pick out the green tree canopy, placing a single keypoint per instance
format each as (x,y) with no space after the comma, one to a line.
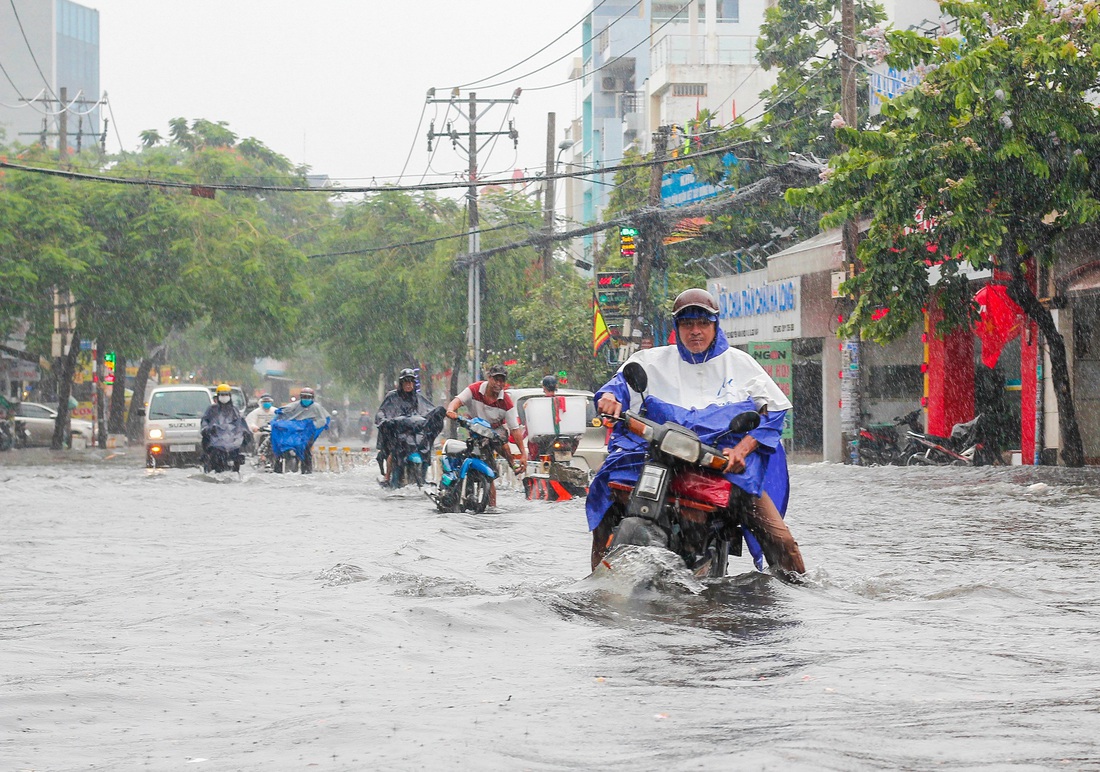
(987,163)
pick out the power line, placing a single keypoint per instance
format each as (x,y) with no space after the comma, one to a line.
(232,187)
(419,123)
(620,56)
(532,56)
(578,48)
(453,236)
(30,50)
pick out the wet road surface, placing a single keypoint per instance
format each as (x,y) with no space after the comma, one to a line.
(167,621)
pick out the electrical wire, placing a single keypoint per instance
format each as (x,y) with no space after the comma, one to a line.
(114,123)
(369,250)
(431,155)
(30,50)
(419,123)
(582,45)
(620,56)
(240,188)
(532,56)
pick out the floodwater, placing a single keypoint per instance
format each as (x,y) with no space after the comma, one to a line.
(165,621)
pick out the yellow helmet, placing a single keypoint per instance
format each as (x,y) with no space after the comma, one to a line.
(223,388)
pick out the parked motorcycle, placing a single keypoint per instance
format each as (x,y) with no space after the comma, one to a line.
(681,501)
(405,445)
(468,469)
(968,445)
(879,445)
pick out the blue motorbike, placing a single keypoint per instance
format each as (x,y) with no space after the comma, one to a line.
(468,469)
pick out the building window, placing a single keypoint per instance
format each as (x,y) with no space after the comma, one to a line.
(663,10)
(689,89)
(729,10)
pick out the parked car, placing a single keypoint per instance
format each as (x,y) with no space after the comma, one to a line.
(591,447)
(40,419)
(172,417)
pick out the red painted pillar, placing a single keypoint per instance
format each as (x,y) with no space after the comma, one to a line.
(949,378)
(1029,380)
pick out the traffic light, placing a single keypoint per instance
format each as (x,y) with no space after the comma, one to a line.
(627,241)
(109,366)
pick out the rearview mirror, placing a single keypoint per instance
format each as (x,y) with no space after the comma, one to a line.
(745,422)
(636,377)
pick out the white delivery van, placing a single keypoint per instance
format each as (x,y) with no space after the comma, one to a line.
(172,416)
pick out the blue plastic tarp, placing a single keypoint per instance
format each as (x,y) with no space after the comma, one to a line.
(294,435)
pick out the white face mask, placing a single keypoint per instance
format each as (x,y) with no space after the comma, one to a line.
(224,398)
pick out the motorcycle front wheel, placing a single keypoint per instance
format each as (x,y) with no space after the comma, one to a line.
(477,492)
(639,532)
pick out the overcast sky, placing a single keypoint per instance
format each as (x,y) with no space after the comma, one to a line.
(336,84)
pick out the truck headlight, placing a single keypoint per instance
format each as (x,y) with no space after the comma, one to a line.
(155,434)
(680,445)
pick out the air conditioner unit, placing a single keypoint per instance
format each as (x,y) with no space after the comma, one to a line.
(608,84)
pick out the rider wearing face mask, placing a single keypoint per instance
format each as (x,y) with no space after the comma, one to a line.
(263,415)
(699,371)
(305,408)
(222,417)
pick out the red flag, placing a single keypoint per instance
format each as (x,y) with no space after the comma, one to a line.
(1001,321)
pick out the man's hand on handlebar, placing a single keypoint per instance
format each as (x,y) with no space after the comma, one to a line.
(452,414)
(609,405)
(735,456)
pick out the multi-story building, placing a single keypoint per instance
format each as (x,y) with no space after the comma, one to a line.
(46,47)
(658,64)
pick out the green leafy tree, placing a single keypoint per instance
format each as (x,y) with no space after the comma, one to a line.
(557,335)
(989,162)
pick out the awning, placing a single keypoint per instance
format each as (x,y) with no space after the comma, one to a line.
(823,252)
(1085,278)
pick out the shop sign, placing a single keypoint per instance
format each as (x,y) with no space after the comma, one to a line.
(751,308)
(775,358)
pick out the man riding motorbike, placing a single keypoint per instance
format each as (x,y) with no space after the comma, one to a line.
(305,408)
(404,401)
(263,415)
(487,400)
(224,433)
(701,371)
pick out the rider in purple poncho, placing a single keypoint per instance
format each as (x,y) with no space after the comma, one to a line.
(698,382)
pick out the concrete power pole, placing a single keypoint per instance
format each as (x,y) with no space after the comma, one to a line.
(650,235)
(851,389)
(63,129)
(548,198)
(473,264)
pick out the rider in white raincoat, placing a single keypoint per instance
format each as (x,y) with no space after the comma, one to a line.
(701,371)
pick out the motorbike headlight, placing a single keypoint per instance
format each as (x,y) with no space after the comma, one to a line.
(680,445)
(155,434)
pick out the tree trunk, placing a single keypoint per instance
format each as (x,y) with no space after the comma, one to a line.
(134,422)
(116,421)
(61,436)
(100,396)
(1073,453)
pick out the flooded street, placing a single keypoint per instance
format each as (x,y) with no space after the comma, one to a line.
(165,621)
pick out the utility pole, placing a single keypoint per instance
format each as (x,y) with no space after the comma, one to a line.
(651,233)
(63,129)
(62,105)
(473,264)
(548,199)
(851,374)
